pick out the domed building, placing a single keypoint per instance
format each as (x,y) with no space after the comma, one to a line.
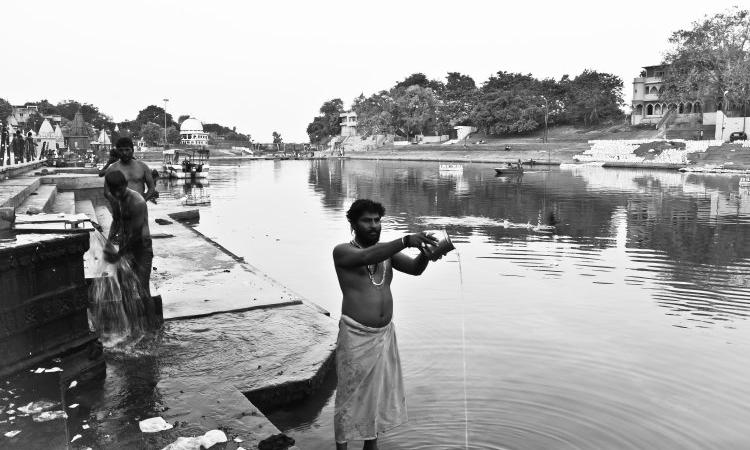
(191,132)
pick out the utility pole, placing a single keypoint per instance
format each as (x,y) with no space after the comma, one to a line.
(546,113)
(165,122)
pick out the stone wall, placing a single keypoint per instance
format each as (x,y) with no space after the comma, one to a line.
(43,307)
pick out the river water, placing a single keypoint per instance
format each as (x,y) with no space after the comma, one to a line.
(625,328)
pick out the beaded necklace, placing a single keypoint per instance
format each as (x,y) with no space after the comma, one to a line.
(371,272)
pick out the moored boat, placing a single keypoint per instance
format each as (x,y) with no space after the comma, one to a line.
(509,169)
(185,163)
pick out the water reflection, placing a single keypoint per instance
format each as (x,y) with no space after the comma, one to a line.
(185,192)
(622,326)
(683,236)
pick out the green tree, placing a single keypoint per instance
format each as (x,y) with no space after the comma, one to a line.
(173,135)
(459,97)
(595,97)
(183,118)
(327,124)
(375,114)
(417,109)
(152,133)
(155,114)
(710,59)
(509,103)
(6,109)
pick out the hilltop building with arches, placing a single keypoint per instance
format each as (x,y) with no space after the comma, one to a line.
(688,119)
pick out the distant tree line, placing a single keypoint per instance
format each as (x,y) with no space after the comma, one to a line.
(507,103)
(711,59)
(148,124)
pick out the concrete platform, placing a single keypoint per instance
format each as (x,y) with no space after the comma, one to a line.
(64,203)
(14,191)
(274,356)
(18,169)
(196,278)
(72,181)
(40,201)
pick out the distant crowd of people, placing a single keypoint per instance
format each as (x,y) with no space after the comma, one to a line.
(16,149)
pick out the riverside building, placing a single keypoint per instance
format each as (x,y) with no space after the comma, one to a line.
(191,133)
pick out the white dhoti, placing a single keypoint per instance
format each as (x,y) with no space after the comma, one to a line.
(370,392)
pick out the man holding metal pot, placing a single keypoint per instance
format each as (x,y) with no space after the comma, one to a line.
(370,395)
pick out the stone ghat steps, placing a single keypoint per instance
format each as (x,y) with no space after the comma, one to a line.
(39,201)
(14,191)
(64,203)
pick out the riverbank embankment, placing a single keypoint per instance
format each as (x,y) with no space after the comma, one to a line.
(234,342)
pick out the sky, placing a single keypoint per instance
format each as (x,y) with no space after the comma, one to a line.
(269,66)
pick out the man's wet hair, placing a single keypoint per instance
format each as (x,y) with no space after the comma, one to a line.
(124,142)
(361,206)
(115,179)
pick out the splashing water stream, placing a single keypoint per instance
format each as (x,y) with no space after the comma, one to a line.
(463,348)
(117,311)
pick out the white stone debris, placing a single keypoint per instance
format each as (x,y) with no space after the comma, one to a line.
(13,433)
(153,425)
(85,427)
(208,440)
(621,150)
(238,440)
(36,407)
(46,416)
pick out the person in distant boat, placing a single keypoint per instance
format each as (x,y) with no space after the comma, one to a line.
(370,395)
(135,237)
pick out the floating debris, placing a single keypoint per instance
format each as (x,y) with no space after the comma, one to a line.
(73,384)
(13,433)
(73,406)
(46,416)
(39,370)
(238,440)
(75,438)
(85,427)
(36,407)
(208,440)
(54,369)
(154,425)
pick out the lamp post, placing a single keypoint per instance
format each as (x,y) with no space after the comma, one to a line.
(546,113)
(165,122)
(723,113)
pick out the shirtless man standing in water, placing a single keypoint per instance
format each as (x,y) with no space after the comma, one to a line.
(370,395)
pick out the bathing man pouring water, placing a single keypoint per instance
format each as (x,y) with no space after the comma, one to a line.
(370,395)
(135,237)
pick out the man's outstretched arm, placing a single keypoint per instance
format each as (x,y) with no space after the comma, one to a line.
(412,266)
(149,181)
(347,255)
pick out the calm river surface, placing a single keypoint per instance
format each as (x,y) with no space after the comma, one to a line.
(626,328)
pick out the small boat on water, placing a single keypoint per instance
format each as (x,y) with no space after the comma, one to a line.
(451,168)
(745,182)
(509,169)
(185,163)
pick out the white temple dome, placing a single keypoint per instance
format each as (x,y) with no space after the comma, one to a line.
(191,125)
